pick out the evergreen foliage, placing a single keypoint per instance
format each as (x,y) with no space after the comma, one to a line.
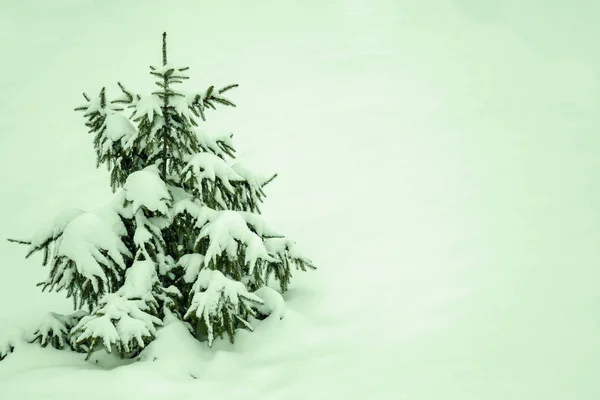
(183,236)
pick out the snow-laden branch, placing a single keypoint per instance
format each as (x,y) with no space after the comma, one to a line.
(88,252)
(225,231)
(124,319)
(220,302)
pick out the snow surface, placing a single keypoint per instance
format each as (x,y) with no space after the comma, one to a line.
(437,160)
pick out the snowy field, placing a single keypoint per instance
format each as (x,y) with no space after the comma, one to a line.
(439,162)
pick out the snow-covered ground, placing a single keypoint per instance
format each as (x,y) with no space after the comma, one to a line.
(439,161)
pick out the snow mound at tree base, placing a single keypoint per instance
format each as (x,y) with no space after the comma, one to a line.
(278,360)
(176,352)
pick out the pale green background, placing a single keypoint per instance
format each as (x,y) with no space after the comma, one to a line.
(439,160)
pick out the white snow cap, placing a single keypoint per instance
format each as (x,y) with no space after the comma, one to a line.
(164,68)
(145,188)
(95,105)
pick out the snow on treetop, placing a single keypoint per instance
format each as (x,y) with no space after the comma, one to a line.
(145,188)
(227,228)
(164,68)
(118,127)
(148,105)
(209,166)
(85,237)
(95,105)
(126,96)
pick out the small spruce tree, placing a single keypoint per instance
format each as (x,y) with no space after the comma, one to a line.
(183,237)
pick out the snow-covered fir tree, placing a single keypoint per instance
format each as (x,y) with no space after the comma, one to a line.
(183,237)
